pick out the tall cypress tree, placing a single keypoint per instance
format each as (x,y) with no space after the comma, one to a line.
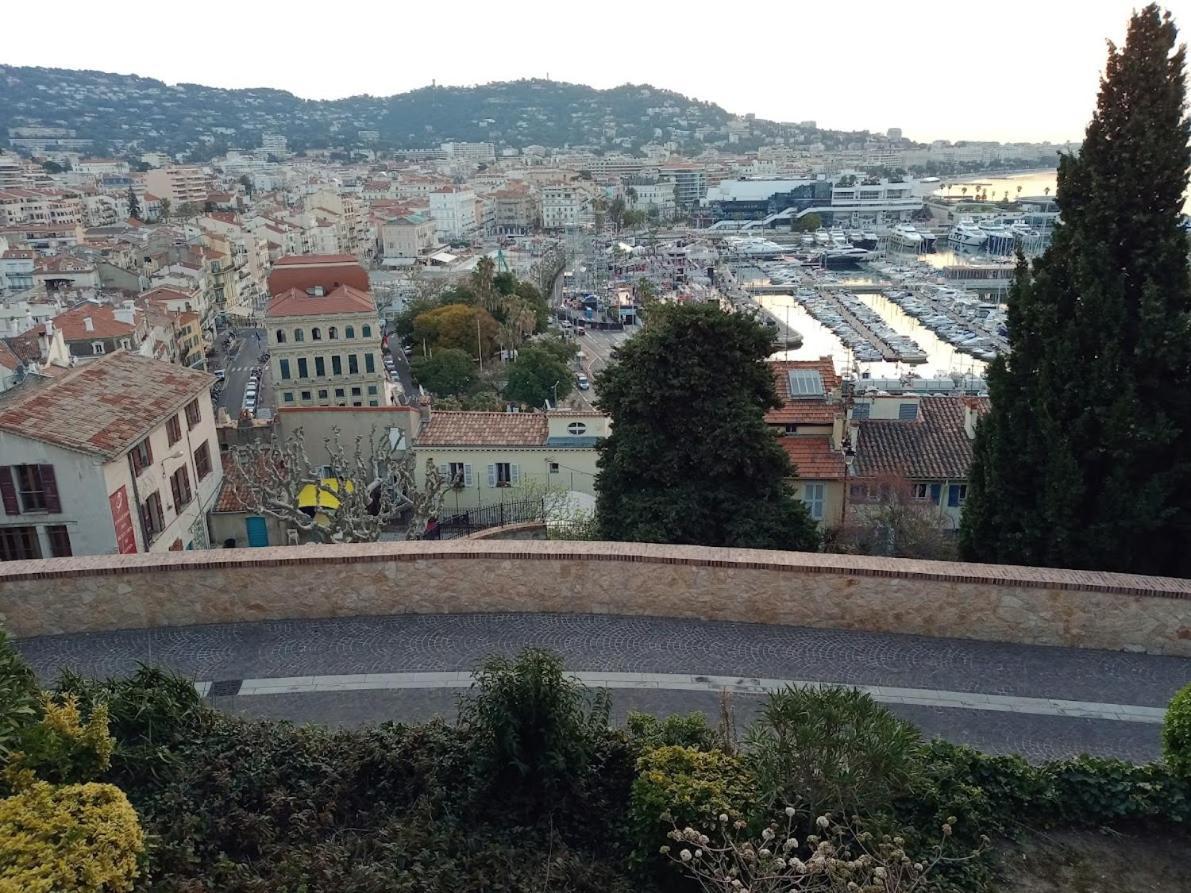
(1085,458)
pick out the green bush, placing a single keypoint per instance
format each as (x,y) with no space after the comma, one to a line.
(1176,733)
(19,695)
(534,730)
(832,750)
(692,730)
(684,787)
(77,838)
(63,747)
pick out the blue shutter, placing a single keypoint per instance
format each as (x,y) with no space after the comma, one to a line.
(953,496)
(258,531)
(936,490)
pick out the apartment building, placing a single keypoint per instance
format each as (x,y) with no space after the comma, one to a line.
(515,211)
(453,209)
(16,269)
(564,205)
(324,336)
(690,182)
(407,238)
(91,329)
(178,184)
(653,196)
(471,153)
(115,456)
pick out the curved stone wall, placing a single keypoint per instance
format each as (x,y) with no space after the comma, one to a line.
(1003,603)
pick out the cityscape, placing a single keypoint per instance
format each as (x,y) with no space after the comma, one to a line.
(537,486)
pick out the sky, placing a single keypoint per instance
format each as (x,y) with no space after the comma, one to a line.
(1009,70)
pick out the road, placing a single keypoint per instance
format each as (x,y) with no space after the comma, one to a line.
(1042,702)
(237,368)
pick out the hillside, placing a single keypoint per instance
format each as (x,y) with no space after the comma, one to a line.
(126,112)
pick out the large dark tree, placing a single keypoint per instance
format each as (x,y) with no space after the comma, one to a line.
(1085,458)
(690,459)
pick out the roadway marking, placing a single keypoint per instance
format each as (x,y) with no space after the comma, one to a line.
(746,685)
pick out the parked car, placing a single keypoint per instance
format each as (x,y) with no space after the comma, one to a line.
(220,374)
(582,381)
(580,329)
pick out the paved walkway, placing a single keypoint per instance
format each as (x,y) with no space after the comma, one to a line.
(1042,702)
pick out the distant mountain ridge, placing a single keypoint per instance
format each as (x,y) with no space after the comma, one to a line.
(128,112)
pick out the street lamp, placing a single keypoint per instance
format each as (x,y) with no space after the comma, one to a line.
(849,459)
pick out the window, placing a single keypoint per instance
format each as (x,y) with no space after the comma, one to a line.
(576,429)
(339,392)
(202,461)
(349,332)
(322,394)
(371,390)
(288,396)
(124,343)
(907,412)
(858,493)
(812,497)
(142,456)
(173,430)
(306,395)
(97,347)
(320,367)
(503,474)
(279,336)
(373,403)
(19,544)
(316,334)
(152,516)
(366,332)
(332,333)
(299,335)
(29,488)
(336,365)
(554,468)
(921,491)
(353,364)
(180,489)
(192,413)
(59,538)
(957,494)
(355,392)
(303,368)
(284,370)
(457,473)
(369,363)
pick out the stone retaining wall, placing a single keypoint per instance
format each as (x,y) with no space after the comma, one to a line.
(1002,603)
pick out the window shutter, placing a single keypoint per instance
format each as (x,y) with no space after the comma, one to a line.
(49,483)
(467,478)
(9,491)
(953,496)
(936,490)
(445,472)
(492,476)
(514,474)
(174,491)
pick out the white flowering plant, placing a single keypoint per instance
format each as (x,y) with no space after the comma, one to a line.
(839,857)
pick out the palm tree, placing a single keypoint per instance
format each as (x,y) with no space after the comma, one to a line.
(1019,192)
(964,191)
(481,282)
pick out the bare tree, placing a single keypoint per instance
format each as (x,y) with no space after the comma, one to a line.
(894,517)
(357,496)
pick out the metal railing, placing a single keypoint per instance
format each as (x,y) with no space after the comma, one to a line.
(484,517)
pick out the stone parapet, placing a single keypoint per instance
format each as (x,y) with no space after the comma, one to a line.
(992,602)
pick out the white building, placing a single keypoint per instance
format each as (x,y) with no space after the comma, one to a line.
(273,143)
(563,205)
(179,184)
(473,153)
(118,455)
(454,211)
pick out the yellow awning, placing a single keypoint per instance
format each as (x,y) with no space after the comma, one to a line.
(311,496)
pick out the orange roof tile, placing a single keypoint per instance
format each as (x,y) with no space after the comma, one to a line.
(104,324)
(495,429)
(813,457)
(344,299)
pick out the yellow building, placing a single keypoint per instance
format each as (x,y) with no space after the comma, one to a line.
(500,457)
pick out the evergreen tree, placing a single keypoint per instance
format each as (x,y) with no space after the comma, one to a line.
(134,205)
(690,459)
(1085,458)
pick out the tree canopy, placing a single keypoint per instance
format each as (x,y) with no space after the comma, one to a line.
(1085,458)
(458,326)
(690,459)
(533,377)
(446,371)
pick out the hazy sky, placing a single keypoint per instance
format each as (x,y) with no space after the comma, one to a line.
(1007,69)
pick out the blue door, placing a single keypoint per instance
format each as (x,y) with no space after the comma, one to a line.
(258,531)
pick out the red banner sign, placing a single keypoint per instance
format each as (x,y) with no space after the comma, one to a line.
(122,518)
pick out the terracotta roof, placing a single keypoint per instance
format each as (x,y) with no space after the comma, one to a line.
(935,446)
(27,345)
(484,429)
(8,359)
(307,259)
(167,294)
(813,457)
(63,263)
(103,323)
(105,406)
(806,410)
(344,299)
(234,494)
(326,270)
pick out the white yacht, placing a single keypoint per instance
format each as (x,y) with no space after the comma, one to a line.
(904,237)
(966,234)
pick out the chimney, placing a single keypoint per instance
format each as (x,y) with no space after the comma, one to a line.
(971,417)
(126,315)
(88,324)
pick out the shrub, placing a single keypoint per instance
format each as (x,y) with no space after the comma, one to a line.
(680,730)
(533,729)
(19,695)
(832,750)
(77,838)
(683,786)
(1176,733)
(64,749)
